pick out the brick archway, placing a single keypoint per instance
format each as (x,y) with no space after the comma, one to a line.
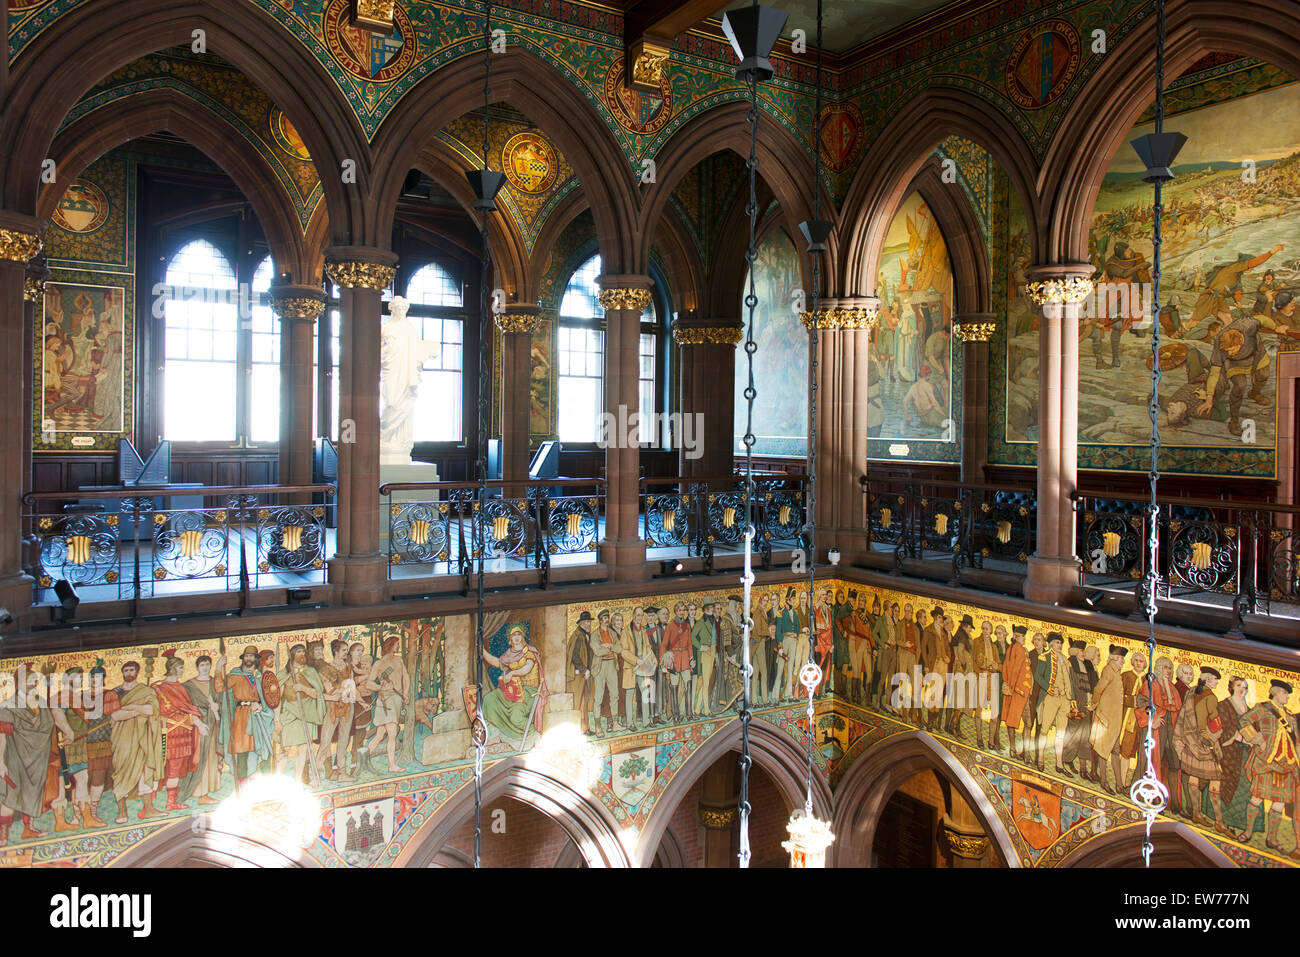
(861,796)
(771,749)
(587,824)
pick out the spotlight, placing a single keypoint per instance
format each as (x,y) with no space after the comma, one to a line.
(6,618)
(1093,598)
(833,555)
(68,601)
(671,566)
(296,596)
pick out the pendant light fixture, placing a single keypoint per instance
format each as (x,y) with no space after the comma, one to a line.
(809,836)
(486,183)
(752,31)
(1157,151)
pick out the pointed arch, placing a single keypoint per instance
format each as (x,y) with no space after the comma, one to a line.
(101,36)
(141,114)
(589,825)
(1113,99)
(566,211)
(181,845)
(523,80)
(861,796)
(1176,845)
(901,150)
(783,165)
(771,749)
(962,236)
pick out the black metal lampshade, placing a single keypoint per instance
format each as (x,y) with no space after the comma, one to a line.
(816,232)
(752,32)
(486,183)
(1158,151)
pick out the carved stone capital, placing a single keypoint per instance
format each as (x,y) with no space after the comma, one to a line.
(373,15)
(646,64)
(361,275)
(636,299)
(964,843)
(699,334)
(1059,284)
(522,320)
(18,246)
(859,317)
(718,818)
(298,307)
(974,326)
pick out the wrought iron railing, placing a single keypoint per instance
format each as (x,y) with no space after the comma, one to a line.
(965,524)
(134,543)
(430,529)
(705,515)
(1209,551)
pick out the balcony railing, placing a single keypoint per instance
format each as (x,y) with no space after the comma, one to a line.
(1215,553)
(702,516)
(441,528)
(136,543)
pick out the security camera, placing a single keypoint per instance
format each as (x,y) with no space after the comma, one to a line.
(5,617)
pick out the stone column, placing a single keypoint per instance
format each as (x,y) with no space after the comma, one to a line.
(517,325)
(362,273)
(843,327)
(1058,291)
(33,293)
(624,298)
(298,308)
(974,329)
(19,242)
(708,393)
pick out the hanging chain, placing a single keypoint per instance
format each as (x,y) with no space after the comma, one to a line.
(811,674)
(747,579)
(479,734)
(1148,792)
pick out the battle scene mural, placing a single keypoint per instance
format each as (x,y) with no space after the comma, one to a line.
(352,737)
(1227,305)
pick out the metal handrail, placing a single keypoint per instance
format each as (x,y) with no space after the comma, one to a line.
(147,491)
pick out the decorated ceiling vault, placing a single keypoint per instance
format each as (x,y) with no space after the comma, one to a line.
(616,700)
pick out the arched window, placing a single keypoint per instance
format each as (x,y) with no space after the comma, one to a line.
(264,396)
(582,356)
(582,360)
(436,303)
(201,335)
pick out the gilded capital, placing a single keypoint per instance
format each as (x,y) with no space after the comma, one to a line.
(857,317)
(33,289)
(969,846)
(707,335)
(974,331)
(635,298)
(18,246)
(518,322)
(718,818)
(1066,290)
(361,275)
(298,307)
(375,15)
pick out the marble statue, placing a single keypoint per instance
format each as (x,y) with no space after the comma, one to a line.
(402,357)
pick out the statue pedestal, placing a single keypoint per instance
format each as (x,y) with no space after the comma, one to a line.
(409,472)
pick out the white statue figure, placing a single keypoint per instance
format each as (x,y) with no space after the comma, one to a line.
(402,357)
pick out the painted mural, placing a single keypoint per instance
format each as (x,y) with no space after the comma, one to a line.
(1227,295)
(781,362)
(84,328)
(912,355)
(348,738)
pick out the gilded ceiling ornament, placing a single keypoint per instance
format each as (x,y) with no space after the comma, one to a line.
(521,322)
(856,318)
(374,14)
(626,298)
(707,335)
(298,307)
(361,275)
(1071,289)
(18,246)
(974,331)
